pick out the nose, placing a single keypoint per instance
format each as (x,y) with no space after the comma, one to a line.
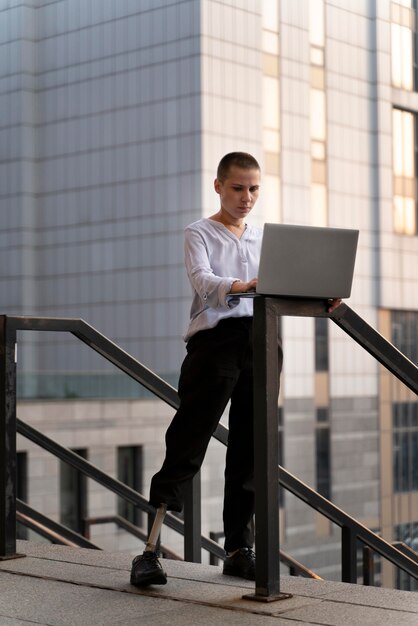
(246,195)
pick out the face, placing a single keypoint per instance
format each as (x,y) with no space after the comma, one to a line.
(239,192)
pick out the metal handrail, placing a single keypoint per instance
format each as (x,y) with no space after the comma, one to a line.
(376,345)
(114,485)
(48,528)
(103,346)
(343,316)
(336,515)
(296,568)
(123,523)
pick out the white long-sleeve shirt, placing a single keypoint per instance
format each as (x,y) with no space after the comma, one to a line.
(214,259)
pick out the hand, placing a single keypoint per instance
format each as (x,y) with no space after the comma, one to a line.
(332,304)
(240,287)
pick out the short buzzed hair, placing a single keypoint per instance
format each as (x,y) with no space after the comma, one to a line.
(240,159)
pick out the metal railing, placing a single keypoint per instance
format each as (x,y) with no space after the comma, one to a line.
(267,311)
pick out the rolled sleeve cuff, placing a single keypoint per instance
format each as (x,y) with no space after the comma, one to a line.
(225,297)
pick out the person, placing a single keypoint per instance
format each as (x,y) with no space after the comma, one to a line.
(221,256)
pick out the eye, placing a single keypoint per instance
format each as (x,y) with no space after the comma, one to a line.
(254,189)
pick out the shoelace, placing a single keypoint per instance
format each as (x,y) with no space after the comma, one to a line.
(248,552)
(151,557)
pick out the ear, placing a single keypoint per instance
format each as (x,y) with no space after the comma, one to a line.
(217,184)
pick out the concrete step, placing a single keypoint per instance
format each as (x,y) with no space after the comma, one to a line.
(61,586)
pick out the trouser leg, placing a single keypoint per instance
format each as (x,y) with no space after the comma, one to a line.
(239,471)
(207,379)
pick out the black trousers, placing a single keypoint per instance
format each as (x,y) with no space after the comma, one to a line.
(217,368)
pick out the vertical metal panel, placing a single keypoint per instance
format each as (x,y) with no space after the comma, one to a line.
(266,445)
(7,440)
(368,566)
(348,555)
(192,521)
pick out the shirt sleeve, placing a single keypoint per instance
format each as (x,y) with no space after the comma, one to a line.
(212,289)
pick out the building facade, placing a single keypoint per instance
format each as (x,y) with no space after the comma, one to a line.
(114,117)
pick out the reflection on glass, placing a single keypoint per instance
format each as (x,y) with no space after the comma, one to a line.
(402,62)
(270,102)
(397,142)
(318,150)
(319,204)
(271,140)
(316,22)
(271,191)
(318,130)
(405,215)
(270,42)
(404,201)
(270,65)
(270,14)
(317,56)
(403,143)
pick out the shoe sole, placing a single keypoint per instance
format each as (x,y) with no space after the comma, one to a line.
(153,579)
(238,575)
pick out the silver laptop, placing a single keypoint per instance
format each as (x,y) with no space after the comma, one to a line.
(307,261)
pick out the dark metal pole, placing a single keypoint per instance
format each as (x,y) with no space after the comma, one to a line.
(348,555)
(7,440)
(192,521)
(266,445)
(368,566)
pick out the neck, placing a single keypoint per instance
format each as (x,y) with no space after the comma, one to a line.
(228,221)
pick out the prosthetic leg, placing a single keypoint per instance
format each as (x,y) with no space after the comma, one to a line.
(146,568)
(151,544)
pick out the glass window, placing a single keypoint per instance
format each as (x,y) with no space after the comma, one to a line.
(319,204)
(270,65)
(271,140)
(270,14)
(316,22)
(271,163)
(317,77)
(270,42)
(405,333)
(402,57)
(318,150)
(403,143)
(408,534)
(404,3)
(318,123)
(319,173)
(317,56)
(271,190)
(270,102)
(404,170)
(405,446)
(405,218)
(130,472)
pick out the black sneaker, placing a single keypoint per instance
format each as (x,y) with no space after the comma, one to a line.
(241,564)
(147,570)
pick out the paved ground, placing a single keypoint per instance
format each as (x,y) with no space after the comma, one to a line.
(59,586)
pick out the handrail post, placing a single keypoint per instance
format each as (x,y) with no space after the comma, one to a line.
(348,555)
(368,566)
(193,521)
(266,445)
(7,440)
